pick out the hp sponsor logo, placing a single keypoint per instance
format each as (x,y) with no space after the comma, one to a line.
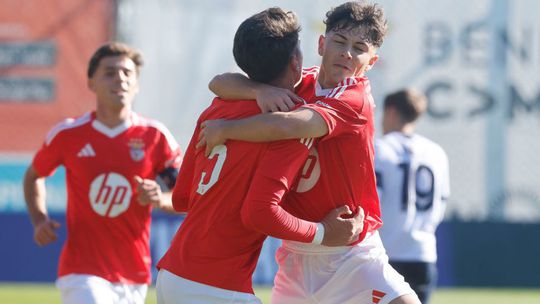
(110,194)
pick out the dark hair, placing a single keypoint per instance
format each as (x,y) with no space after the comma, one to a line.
(265,42)
(114,49)
(409,103)
(358,15)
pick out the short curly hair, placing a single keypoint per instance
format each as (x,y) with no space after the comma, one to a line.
(359,14)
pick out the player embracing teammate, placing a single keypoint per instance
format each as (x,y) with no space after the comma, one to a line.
(340,169)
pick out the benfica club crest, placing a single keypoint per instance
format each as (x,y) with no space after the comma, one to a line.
(136,149)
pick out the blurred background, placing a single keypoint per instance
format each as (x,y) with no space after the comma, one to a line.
(477,61)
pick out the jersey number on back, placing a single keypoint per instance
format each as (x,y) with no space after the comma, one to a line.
(423,185)
(221,152)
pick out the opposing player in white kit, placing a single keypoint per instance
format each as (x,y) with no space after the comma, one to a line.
(413,185)
(112,157)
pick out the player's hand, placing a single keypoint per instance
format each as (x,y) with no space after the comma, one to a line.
(340,231)
(45,232)
(210,135)
(148,192)
(273,99)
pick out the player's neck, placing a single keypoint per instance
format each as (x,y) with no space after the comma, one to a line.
(323,81)
(112,117)
(284,83)
(406,129)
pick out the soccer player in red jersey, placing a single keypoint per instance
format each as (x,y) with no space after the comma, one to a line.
(112,158)
(214,253)
(340,168)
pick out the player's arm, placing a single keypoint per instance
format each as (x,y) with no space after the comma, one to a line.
(238,86)
(157,192)
(329,117)
(166,202)
(35,195)
(300,123)
(168,159)
(261,210)
(167,180)
(445,182)
(379,153)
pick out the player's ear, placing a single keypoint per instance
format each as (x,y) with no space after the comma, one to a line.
(322,41)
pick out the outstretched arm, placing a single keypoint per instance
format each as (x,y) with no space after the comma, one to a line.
(300,123)
(238,86)
(34,194)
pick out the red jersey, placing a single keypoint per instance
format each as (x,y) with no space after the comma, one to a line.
(108,230)
(213,246)
(340,169)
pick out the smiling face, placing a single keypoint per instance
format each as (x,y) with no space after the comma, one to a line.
(115,82)
(345,53)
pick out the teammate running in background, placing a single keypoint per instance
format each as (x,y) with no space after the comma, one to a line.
(340,168)
(413,184)
(214,253)
(112,157)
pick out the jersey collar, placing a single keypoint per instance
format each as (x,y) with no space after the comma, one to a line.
(319,91)
(113,132)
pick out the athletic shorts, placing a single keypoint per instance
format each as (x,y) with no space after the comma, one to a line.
(91,289)
(336,275)
(172,289)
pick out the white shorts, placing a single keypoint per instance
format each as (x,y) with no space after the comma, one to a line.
(172,289)
(90,289)
(336,275)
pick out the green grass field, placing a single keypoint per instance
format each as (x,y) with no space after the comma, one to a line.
(47,294)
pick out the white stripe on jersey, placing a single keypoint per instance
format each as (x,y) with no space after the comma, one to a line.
(339,91)
(319,91)
(332,93)
(347,82)
(138,120)
(308,142)
(341,87)
(67,124)
(312,70)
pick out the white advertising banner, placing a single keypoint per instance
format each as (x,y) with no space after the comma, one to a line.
(477,61)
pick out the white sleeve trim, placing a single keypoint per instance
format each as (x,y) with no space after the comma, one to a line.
(171,141)
(68,123)
(319,235)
